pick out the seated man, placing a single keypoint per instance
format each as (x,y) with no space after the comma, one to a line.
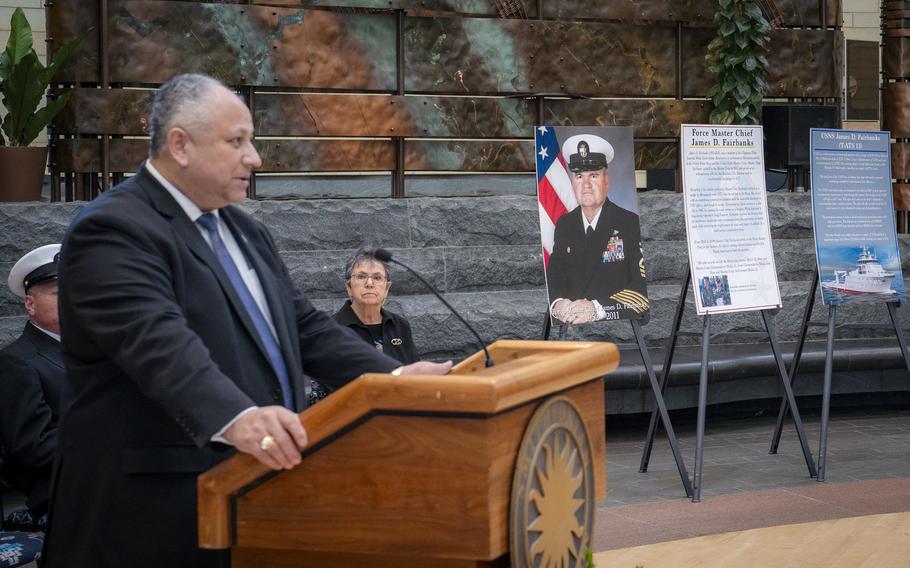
(32,380)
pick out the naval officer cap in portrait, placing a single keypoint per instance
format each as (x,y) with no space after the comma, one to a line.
(596,269)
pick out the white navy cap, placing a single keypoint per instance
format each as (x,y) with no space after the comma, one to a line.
(586,152)
(38,266)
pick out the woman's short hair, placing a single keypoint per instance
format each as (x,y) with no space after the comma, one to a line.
(364,254)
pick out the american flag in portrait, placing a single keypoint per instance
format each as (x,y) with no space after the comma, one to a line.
(554,189)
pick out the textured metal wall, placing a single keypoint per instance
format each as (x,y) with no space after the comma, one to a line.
(896,99)
(463,94)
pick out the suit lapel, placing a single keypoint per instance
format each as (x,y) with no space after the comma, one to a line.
(190,235)
(44,344)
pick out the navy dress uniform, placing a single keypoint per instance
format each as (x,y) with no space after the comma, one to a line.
(33,389)
(600,260)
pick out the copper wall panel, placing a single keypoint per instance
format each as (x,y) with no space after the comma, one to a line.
(83,155)
(656,155)
(106,111)
(648,118)
(896,57)
(125,111)
(901,192)
(803,63)
(896,109)
(459,55)
(636,10)
(251,45)
(326,155)
(469,7)
(470,155)
(510,156)
(365,115)
(900,160)
(781,13)
(67,19)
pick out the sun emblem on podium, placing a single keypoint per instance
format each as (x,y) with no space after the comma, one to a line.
(552,508)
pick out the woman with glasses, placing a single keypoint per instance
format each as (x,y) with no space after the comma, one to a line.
(367,281)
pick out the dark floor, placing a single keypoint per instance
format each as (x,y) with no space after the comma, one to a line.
(868,471)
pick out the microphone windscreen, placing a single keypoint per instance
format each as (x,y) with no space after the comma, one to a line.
(383,255)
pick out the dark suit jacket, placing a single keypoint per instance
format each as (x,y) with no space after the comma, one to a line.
(577,267)
(161,355)
(32,396)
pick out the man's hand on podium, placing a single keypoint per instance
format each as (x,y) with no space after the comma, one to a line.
(425,368)
(271,434)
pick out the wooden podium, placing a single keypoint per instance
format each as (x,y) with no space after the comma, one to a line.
(468,469)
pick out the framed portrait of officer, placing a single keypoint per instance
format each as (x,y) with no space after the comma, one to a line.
(590,232)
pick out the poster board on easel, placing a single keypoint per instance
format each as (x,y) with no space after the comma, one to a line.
(728,231)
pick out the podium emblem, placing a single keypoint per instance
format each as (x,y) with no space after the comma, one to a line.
(551,516)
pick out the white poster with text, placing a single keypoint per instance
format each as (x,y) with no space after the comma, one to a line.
(727,226)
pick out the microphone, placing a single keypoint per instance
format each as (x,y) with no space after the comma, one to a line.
(386,256)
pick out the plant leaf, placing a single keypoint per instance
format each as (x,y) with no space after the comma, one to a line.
(39,121)
(20,37)
(22,93)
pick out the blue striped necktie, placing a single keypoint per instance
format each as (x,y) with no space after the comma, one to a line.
(209,222)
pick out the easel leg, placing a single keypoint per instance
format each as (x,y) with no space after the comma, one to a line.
(665,372)
(826,395)
(782,372)
(794,365)
(662,407)
(702,408)
(892,311)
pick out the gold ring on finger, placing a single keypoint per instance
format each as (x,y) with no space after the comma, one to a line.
(266,443)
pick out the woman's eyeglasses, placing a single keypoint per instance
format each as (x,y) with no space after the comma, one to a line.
(362,277)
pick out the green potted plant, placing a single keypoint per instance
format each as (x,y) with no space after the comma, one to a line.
(23,83)
(736,57)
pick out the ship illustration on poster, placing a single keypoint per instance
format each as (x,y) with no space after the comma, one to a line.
(866,280)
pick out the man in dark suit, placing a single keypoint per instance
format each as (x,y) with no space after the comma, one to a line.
(184,340)
(596,270)
(32,381)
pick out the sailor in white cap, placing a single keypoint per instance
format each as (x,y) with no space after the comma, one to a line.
(33,380)
(596,270)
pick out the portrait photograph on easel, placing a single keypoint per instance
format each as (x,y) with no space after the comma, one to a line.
(589,226)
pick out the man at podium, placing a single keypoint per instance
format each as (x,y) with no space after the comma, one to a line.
(184,341)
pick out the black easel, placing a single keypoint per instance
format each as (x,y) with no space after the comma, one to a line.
(703,390)
(829,364)
(661,407)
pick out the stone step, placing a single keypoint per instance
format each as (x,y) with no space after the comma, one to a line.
(337,224)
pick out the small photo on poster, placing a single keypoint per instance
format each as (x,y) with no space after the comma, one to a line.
(590,233)
(851,274)
(715,290)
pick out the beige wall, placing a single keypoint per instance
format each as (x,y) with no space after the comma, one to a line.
(862,19)
(34,11)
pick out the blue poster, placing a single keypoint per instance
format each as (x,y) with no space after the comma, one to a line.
(853,217)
